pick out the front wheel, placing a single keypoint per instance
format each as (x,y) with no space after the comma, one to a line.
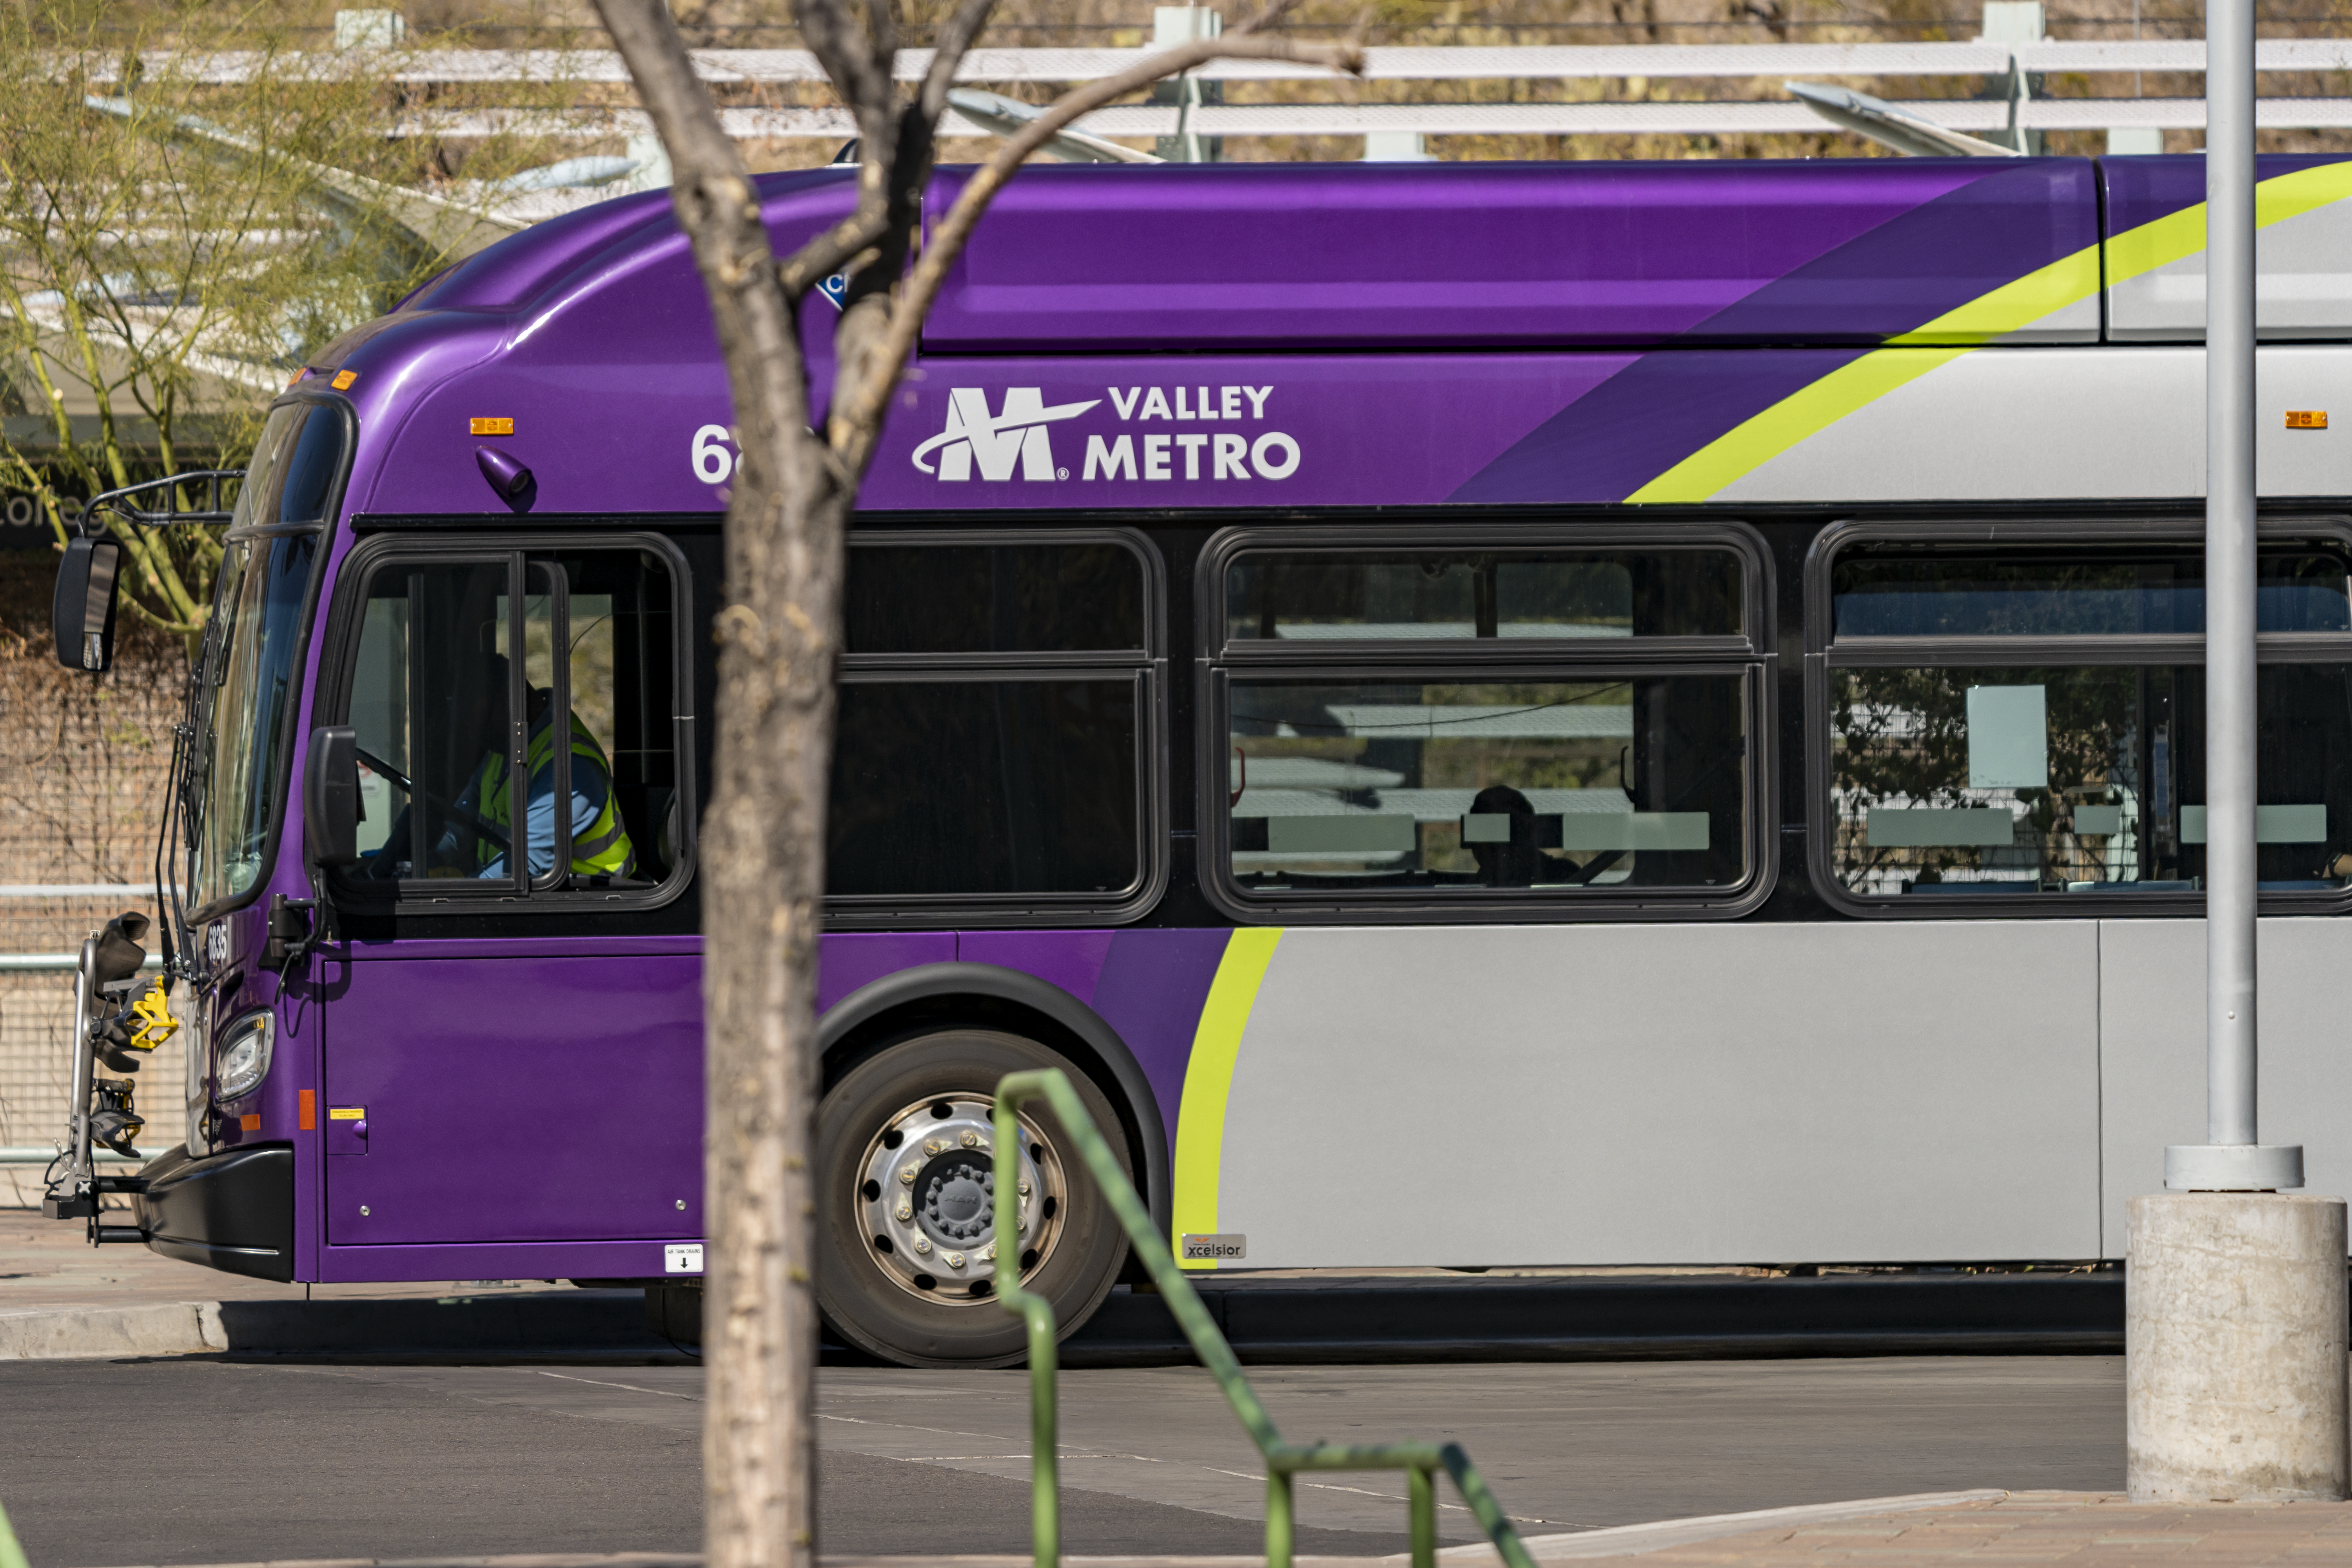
(907,1168)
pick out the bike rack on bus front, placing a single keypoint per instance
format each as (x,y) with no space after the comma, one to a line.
(1283,1461)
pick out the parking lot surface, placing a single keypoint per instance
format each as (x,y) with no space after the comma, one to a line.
(201,1461)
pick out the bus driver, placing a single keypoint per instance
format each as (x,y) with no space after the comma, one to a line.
(600,841)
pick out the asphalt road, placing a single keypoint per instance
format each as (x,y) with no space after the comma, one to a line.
(183,1461)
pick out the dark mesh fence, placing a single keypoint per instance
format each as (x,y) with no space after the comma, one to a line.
(82,760)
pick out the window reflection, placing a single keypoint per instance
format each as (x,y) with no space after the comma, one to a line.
(1910,590)
(1308,597)
(1595,782)
(2076,780)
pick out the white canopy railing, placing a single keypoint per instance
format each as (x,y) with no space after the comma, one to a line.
(1696,117)
(1399,63)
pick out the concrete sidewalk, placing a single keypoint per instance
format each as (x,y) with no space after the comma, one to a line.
(2083,1530)
(2080,1530)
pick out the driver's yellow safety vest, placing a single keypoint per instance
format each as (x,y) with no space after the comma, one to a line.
(599,848)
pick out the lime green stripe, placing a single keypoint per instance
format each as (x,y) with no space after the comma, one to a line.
(2015,305)
(2178,236)
(1803,413)
(1209,1079)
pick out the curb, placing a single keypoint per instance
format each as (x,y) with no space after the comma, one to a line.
(570,1325)
(162,1328)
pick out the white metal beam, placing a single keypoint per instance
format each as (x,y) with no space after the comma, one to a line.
(1401,63)
(1699,118)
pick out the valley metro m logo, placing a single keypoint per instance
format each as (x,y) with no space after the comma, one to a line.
(1017,433)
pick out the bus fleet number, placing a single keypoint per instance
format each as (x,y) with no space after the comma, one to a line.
(712,456)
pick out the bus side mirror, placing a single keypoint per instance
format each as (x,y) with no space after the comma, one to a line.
(83,611)
(330,796)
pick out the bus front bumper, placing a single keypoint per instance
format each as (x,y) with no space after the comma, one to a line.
(233,1211)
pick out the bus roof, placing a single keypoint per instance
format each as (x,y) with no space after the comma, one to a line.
(1607,263)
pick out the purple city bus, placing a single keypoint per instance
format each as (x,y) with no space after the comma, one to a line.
(1487,714)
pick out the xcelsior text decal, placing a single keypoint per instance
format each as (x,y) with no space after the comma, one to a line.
(1017,440)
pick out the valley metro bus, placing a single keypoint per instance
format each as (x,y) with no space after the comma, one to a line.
(1487,714)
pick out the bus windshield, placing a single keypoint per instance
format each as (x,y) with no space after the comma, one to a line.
(239,764)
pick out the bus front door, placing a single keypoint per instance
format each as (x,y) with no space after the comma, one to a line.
(513,1047)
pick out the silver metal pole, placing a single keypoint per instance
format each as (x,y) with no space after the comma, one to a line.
(2230,1060)
(2232,1158)
(85,1069)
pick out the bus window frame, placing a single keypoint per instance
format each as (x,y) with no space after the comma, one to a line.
(1825,653)
(514,894)
(1751,656)
(306,633)
(1147,666)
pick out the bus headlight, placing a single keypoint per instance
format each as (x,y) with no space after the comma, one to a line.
(244,1056)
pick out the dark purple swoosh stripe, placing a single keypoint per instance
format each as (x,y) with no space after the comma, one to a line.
(2141,190)
(1909,270)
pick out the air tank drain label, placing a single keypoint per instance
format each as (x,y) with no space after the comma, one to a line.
(1214,1248)
(682,1257)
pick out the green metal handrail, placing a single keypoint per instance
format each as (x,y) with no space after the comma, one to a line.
(1420,1461)
(11,1554)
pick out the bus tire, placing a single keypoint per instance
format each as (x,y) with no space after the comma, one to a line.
(904,1168)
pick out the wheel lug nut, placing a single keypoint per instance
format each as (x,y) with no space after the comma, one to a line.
(905,1210)
(1025,1187)
(923,1244)
(971,1139)
(953,1260)
(907,1175)
(932,1145)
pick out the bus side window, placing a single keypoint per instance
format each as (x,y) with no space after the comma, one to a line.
(1481,723)
(995,736)
(2024,720)
(430,697)
(620,639)
(457,797)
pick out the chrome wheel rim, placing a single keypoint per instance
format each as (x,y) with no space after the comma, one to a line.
(925,1193)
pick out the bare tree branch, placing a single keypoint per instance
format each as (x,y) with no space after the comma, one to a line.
(858,403)
(835,248)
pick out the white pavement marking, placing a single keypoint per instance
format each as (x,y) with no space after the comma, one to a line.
(1633,1539)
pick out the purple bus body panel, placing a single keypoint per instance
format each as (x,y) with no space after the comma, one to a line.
(1072,960)
(484,1145)
(492,1260)
(1151,989)
(1299,255)
(584,1123)
(849,960)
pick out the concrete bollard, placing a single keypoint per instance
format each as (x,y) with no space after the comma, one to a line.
(2234,1331)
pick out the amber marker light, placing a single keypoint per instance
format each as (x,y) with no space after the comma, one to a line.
(344,379)
(490,426)
(2306,418)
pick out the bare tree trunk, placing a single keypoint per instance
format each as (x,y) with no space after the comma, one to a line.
(761,861)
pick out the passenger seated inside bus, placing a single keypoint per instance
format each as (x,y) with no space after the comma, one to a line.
(1511,862)
(476,827)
